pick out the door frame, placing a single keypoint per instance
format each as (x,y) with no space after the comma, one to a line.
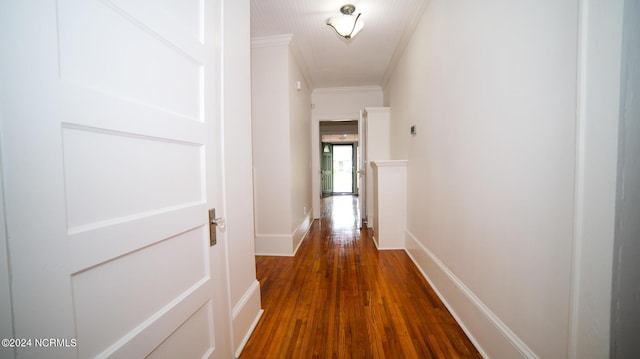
(316,171)
(6,316)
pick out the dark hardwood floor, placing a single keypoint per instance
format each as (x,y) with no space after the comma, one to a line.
(341,298)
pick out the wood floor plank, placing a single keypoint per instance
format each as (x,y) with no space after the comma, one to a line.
(340,297)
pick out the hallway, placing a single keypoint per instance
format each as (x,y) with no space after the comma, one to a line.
(341,298)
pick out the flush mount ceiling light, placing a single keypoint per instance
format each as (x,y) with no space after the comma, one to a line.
(348,25)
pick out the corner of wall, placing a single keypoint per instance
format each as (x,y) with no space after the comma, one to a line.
(285,245)
(299,59)
(274,245)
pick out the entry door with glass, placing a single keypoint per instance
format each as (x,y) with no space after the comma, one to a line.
(343,169)
(327,169)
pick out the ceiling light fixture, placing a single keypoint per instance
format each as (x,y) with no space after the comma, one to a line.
(348,25)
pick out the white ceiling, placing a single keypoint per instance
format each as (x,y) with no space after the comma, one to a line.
(331,61)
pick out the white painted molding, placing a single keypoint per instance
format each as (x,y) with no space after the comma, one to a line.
(289,41)
(295,250)
(274,245)
(489,334)
(599,61)
(269,41)
(246,314)
(283,244)
(375,241)
(302,230)
(389,163)
(413,21)
(6,316)
(343,90)
(578,213)
(371,110)
(337,117)
(246,297)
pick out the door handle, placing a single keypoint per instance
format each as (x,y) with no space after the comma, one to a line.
(214,223)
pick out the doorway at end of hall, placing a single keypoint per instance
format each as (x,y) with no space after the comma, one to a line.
(338,169)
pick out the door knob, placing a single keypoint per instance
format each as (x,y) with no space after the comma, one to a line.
(218,222)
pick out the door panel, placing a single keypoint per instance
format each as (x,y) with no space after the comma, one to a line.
(165,278)
(157,69)
(110,166)
(193,339)
(108,177)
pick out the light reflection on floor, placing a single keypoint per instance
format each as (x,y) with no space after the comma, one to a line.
(343,212)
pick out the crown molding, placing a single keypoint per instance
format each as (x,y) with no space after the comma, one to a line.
(352,89)
(294,47)
(413,22)
(269,41)
(281,41)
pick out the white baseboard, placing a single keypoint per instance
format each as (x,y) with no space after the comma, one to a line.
(284,245)
(301,232)
(274,245)
(246,314)
(386,248)
(489,334)
(375,241)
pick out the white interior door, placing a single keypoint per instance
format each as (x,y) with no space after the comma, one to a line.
(109,119)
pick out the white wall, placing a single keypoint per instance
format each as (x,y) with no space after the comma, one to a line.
(401,120)
(341,103)
(491,87)
(300,152)
(270,139)
(238,180)
(280,120)
(335,104)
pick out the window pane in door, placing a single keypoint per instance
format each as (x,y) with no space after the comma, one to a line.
(343,168)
